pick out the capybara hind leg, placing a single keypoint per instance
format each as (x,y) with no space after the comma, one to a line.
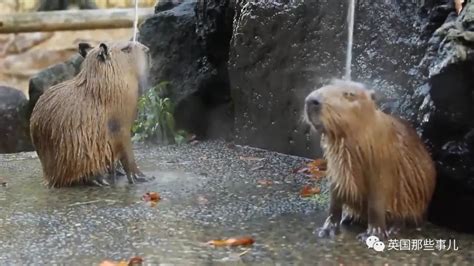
(331,225)
(376,220)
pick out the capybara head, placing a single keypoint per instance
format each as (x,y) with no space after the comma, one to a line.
(131,57)
(340,107)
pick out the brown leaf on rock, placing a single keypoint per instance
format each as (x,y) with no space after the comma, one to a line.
(308,191)
(201,200)
(232,242)
(3,182)
(315,169)
(135,261)
(153,197)
(319,164)
(107,263)
(250,158)
(458,6)
(301,170)
(113,263)
(265,182)
(317,175)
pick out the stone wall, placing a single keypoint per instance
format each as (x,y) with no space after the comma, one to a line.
(281,50)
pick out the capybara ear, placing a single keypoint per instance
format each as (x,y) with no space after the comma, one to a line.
(84,49)
(104,52)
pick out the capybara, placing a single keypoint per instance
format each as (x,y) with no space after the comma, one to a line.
(81,128)
(379,170)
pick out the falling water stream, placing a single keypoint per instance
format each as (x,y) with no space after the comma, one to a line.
(135,22)
(350,20)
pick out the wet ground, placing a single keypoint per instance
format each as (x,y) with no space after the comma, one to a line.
(210,191)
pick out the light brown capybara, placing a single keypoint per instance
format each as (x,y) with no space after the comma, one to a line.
(379,169)
(81,128)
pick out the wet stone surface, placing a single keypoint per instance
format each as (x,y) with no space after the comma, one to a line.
(209,191)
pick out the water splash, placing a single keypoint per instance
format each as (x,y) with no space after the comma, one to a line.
(350,20)
(135,23)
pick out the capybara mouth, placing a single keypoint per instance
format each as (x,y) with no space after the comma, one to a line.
(313,118)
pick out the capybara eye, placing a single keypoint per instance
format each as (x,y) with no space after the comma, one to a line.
(127,49)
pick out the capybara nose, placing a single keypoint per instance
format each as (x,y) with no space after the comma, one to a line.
(312,101)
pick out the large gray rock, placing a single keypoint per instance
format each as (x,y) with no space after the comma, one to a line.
(14,133)
(281,50)
(448,123)
(177,36)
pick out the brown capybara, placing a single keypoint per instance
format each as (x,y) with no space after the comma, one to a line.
(81,128)
(379,170)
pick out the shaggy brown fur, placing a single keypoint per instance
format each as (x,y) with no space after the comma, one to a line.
(379,168)
(82,127)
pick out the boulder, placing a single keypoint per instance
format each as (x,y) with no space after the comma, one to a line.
(14,135)
(448,124)
(178,37)
(281,50)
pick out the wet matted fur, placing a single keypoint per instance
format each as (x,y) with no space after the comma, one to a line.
(379,169)
(82,126)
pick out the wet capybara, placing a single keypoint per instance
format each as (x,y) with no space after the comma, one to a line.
(379,169)
(81,128)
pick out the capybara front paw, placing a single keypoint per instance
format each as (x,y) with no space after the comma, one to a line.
(380,233)
(393,231)
(99,181)
(139,178)
(144,178)
(347,218)
(119,172)
(329,229)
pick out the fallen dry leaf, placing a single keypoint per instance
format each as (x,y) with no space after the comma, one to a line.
(308,191)
(250,158)
(107,263)
(458,6)
(112,263)
(152,197)
(194,142)
(135,261)
(202,200)
(265,182)
(317,175)
(232,242)
(3,182)
(315,169)
(319,164)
